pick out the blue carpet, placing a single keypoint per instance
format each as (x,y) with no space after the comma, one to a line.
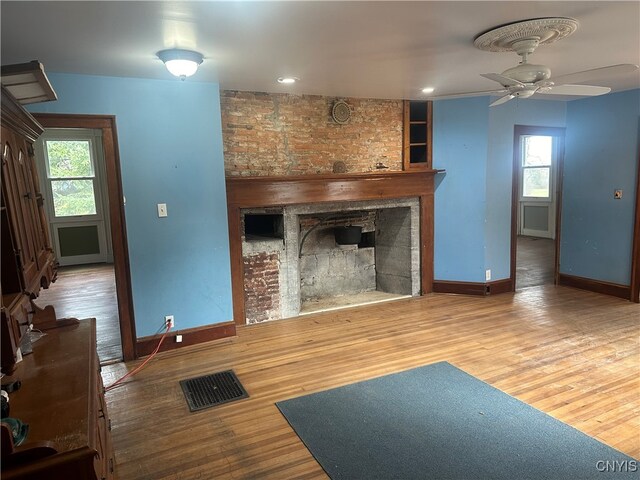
(438,422)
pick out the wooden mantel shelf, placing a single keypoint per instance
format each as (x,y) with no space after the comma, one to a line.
(256,192)
(247,192)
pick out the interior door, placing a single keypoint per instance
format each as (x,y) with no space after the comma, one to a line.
(537,201)
(71,164)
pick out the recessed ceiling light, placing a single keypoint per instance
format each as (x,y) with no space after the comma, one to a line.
(428,90)
(288,80)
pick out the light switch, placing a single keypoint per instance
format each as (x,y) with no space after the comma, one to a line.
(162,209)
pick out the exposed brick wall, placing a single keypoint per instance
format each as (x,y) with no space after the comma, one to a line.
(281,134)
(262,286)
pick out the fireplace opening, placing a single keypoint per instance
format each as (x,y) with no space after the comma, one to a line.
(335,274)
(293,264)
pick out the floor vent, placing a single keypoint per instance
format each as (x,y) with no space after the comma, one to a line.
(211,390)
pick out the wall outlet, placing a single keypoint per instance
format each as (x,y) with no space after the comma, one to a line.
(617,194)
(168,321)
(178,338)
(487,275)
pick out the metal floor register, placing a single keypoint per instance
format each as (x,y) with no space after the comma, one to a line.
(211,390)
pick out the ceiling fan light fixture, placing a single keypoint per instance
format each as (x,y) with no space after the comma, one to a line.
(528,73)
(181,63)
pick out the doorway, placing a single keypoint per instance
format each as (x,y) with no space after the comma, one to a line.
(536,205)
(72,172)
(82,180)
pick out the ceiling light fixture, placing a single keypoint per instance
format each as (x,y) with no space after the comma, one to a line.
(181,63)
(288,80)
(428,90)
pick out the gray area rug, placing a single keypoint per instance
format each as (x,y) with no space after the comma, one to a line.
(438,422)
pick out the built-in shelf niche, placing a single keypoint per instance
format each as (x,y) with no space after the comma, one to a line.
(417,138)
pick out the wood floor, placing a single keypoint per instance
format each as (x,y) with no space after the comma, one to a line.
(535,261)
(86,291)
(570,353)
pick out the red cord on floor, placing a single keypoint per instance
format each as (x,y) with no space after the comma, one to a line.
(141,366)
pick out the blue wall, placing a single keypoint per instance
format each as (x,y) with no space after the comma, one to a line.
(502,120)
(601,156)
(460,136)
(474,143)
(170,141)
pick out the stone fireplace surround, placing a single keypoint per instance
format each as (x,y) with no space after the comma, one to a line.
(280,276)
(316,192)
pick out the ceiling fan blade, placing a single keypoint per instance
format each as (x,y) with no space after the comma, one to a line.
(502,100)
(467,94)
(502,80)
(596,73)
(585,90)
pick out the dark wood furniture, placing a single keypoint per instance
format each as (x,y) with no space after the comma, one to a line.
(62,401)
(248,192)
(417,141)
(28,263)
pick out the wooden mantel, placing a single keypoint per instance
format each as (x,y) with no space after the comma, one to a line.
(254,192)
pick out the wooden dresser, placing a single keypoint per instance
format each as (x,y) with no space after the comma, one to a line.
(62,401)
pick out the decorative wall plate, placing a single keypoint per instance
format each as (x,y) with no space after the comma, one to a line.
(341,112)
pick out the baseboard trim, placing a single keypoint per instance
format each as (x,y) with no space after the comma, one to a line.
(459,288)
(607,288)
(473,288)
(190,336)
(500,286)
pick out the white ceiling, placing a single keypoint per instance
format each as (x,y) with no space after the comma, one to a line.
(375,49)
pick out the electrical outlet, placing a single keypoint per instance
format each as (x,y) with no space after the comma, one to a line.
(178,338)
(168,321)
(487,275)
(617,194)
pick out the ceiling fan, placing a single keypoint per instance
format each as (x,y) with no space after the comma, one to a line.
(527,79)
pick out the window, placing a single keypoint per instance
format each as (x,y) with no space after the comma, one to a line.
(537,152)
(71,172)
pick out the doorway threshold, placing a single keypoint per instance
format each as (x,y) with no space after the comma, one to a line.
(346,301)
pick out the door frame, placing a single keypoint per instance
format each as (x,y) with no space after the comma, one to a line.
(635,254)
(518,131)
(115,195)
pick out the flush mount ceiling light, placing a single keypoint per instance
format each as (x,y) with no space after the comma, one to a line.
(428,90)
(288,80)
(181,63)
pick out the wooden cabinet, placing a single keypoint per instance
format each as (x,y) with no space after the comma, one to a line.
(28,263)
(417,135)
(62,396)
(62,401)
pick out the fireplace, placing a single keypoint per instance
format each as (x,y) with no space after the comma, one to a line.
(286,260)
(304,269)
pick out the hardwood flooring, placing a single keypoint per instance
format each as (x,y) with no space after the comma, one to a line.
(86,291)
(535,262)
(567,352)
